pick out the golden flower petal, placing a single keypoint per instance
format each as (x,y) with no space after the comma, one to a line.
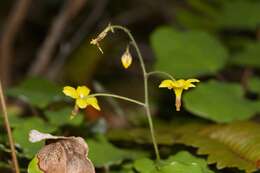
(83,91)
(179,83)
(193,80)
(166,84)
(93,102)
(81,103)
(70,91)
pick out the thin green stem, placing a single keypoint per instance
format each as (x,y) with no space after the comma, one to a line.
(160,73)
(117,96)
(146,94)
(8,129)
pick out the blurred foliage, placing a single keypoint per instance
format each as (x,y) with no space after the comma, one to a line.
(249,57)
(102,153)
(254,85)
(231,145)
(187,54)
(216,101)
(36,91)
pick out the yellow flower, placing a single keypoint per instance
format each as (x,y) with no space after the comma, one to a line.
(81,95)
(126,58)
(178,86)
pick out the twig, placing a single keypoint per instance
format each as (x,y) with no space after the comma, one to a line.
(70,9)
(14,23)
(68,47)
(9,132)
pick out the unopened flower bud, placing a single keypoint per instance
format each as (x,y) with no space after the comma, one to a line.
(126,58)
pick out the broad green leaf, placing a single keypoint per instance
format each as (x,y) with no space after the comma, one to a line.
(36,91)
(21,132)
(248,57)
(102,153)
(186,157)
(62,117)
(187,54)
(254,85)
(144,165)
(219,101)
(33,166)
(182,162)
(242,14)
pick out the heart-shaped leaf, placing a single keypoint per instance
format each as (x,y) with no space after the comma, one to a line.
(219,101)
(187,54)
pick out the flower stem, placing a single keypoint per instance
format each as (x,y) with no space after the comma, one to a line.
(161,73)
(117,96)
(9,132)
(146,95)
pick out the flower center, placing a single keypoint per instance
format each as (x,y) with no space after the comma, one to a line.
(81,96)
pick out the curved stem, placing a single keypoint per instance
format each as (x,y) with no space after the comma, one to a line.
(146,94)
(117,96)
(162,73)
(8,128)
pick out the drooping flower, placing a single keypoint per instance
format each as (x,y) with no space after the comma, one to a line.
(126,58)
(178,86)
(101,36)
(81,95)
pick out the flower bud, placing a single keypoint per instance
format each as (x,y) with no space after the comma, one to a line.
(126,58)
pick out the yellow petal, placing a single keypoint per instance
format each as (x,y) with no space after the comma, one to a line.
(193,80)
(188,85)
(126,59)
(93,102)
(83,91)
(71,92)
(179,83)
(81,103)
(166,84)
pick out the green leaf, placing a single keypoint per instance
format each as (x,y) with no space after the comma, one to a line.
(249,57)
(144,165)
(187,54)
(62,117)
(36,91)
(102,153)
(232,145)
(33,166)
(239,14)
(182,162)
(219,101)
(22,130)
